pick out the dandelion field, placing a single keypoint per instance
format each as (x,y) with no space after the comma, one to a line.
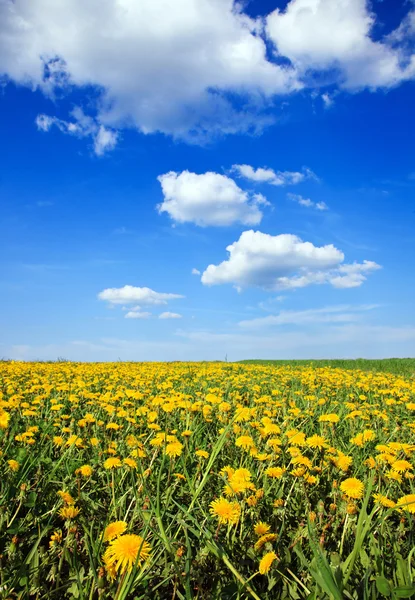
(205,481)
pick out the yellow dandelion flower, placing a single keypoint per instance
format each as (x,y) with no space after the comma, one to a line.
(407,503)
(368,435)
(66,497)
(126,551)
(384,501)
(174,449)
(352,487)
(275,472)
(112,463)
(343,462)
(130,462)
(202,453)
(261,528)
(316,441)
(69,512)
(266,562)
(265,539)
(401,466)
(13,465)
(394,475)
(245,442)
(225,511)
(330,418)
(4,419)
(85,471)
(114,530)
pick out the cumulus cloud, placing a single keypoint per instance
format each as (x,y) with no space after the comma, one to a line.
(284,262)
(279,178)
(307,202)
(170,315)
(132,314)
(130,294)
(82,126)
(344,313)
(208,199)
(335,37)
(196,52)
(174,67)
(195,272)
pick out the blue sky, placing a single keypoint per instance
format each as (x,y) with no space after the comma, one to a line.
(207,182)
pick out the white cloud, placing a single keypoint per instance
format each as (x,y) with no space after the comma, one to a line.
(82,126)
(172,67)
(104,140)
(208,199)
(137,315)
(279,178)
(284,262)
(334,36)
(321,206)
(327,100)
(330,314)
(170,315)
(195,272)
(158,65)
(130,294)
(353,275)
(307,202)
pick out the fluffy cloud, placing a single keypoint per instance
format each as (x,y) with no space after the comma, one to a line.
(307,202)
(284,262)
(334,36)
(130,294)
(160,66)
(208,199)
(132,314)
(330,314)
(174,67)
(265,175)
(170,315)
(195,272)
(82,126)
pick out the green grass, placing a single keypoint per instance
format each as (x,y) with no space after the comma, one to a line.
(398,366)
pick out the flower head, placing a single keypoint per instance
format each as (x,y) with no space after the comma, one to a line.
(225,511)
(85,471)
(114,530)
(66,497)
(261,528)
(4,419)
(126,551)
(69,512)
(352,487)
(174,449)
(265,539)
(266,562)
(112,463)
(407,503)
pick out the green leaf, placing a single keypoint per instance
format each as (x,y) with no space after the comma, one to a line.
(364,558)
(74,590)
(404,591)
(383,586)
